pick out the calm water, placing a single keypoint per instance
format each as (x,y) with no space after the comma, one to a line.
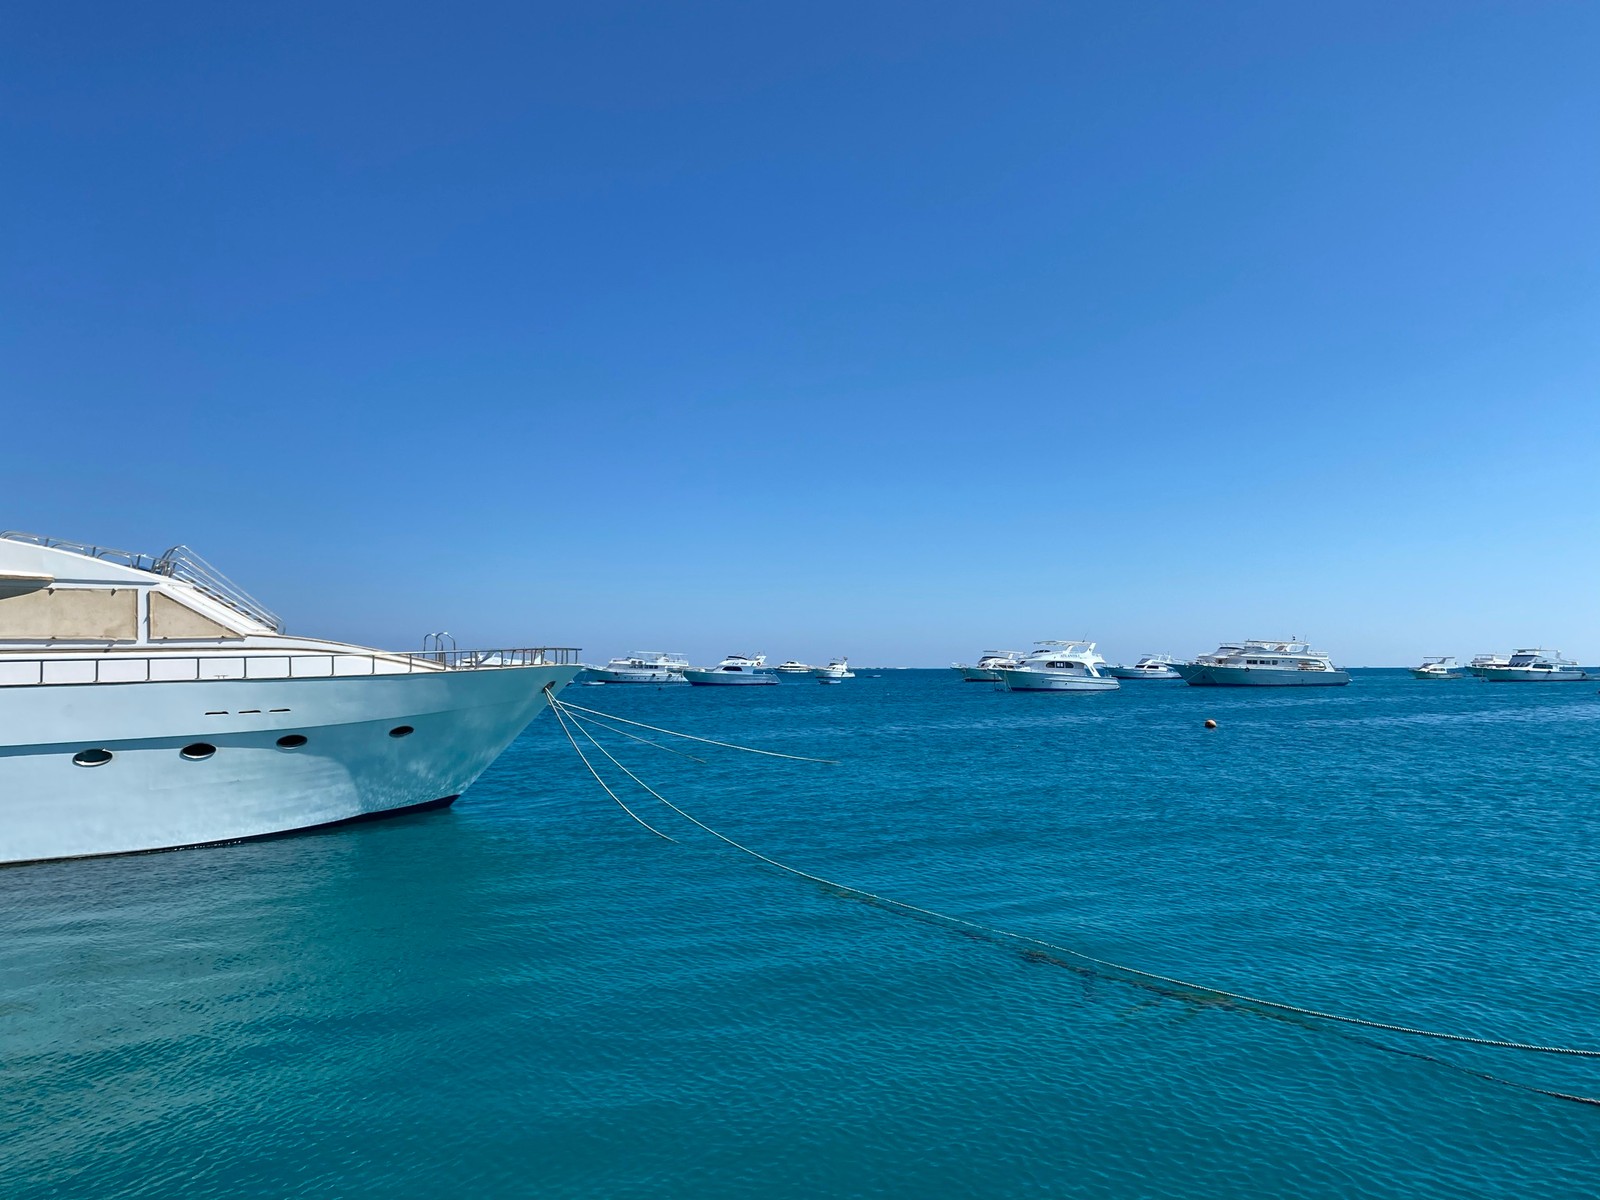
(529,995)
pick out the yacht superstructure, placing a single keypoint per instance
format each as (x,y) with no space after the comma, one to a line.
(989,665)
(1060,667)
(1263,664)
(736,669)
(642,666)
(148,703)
(837,671)
(1438,667)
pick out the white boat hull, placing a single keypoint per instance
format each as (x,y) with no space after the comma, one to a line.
(1200,675)
(632,675)
(1522,675)
(1136,673)
(1050,681)
(1436,674)
(149,797)
(977,674)
(715,678)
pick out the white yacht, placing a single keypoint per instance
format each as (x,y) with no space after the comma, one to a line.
(1263,664)
(1536,666)
(793,667)
(1151,666)
(837,671)
(147,703)
(734,670)
(1483,662)
(642,666)
(1059,667)
(1441,667)
(989,666)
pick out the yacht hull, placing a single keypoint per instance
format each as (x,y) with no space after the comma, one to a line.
(977,675)
(148,796)
(606,675)
(728,678)
(1519,675)
(1132,673)
(1415,674)
(1044,681)
(1201,675)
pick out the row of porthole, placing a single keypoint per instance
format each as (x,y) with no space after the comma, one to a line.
(199,751)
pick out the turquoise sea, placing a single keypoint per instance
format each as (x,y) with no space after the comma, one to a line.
(531,995)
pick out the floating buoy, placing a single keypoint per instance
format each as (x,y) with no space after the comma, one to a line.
(1210,724)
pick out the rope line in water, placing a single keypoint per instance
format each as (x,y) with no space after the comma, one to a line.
(1105,964)
(832,762)
(556,708)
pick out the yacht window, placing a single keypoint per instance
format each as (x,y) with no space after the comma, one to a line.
(195,751)
(92,758)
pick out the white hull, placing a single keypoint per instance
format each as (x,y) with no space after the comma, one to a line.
(1522,675)
(1418,674)
(149,797)
(1048,681)
(1211,676)
(728,678)
(977,675)
(632,675)
(1138,673)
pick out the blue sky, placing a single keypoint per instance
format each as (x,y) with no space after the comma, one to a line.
(894,330)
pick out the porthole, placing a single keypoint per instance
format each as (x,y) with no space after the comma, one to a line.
(92,758)
(195,751)
(401,731)
(291,741)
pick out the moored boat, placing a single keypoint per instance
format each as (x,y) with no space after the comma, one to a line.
(1482,662)
(1439,667)
(148,703)
(642,666)
(1536,666)
(988,667)
(735,670)
(793,667)
(1151,666)
(1263,664)
(837,671)
(1057,666)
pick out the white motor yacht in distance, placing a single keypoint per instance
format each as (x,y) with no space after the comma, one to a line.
(989,666)
(1263,664)
(642,666)
(1482,662)
(1439,667)
(734,670)
(147,703)
(1151,666)
(1059,667)
(1536,666)
(837,671)
(794,667)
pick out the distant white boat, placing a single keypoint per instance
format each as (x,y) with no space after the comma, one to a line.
(642,666)
(1059,667)
(1151,666)
(1483,662)
(989,666)
(837,671)
(735,670)
(1536,666)
(1438,668)
(1263,664)
(793,667)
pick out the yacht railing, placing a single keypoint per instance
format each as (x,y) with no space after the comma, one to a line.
(118,667)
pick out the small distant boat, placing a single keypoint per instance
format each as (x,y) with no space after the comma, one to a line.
(989,666)
(1443,667)
(1536,666)
(1263,664)
(642,666)
(734,670)
(793,668)
(1151,666)
(1483,662)
(1059,667)
(837,671)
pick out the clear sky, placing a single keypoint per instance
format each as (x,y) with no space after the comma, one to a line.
(900,330)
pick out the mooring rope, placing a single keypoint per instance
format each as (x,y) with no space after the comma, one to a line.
(1104,964)
(832,762)
(556,708)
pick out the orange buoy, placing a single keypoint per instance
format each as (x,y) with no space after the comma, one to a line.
(1210,724)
